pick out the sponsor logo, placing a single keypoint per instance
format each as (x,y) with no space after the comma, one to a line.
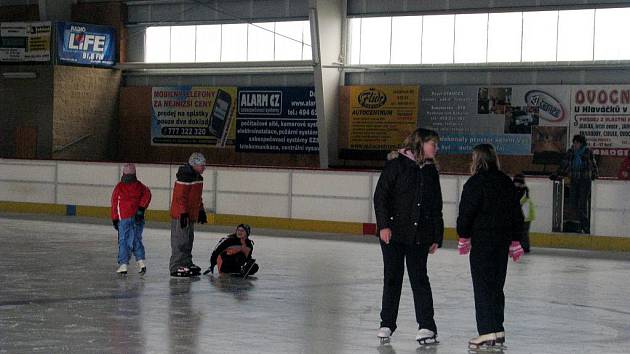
(549,108)
(372,98)
(86,42)
(260,102)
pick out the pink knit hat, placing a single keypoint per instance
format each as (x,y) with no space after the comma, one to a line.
(129,169)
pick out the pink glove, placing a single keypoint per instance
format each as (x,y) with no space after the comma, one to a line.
(516,251)
(463,245)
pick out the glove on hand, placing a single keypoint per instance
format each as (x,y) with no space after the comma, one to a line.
(516,251)
(115,223)
(463,245)
(139,217)
(203,218)
(183,220)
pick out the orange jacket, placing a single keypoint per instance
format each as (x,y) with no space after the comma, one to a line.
(187,193)
(127,198)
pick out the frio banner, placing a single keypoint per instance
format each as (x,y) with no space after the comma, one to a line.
(277,120)
(85,44)
(602,114)
(517,120)
(189,115)
(380,117)
(25,41)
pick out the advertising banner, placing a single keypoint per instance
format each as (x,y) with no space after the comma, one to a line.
(189,115)
(517,120)
(277,120)
(85,44)
(380,117)
(602,114)
(25,41)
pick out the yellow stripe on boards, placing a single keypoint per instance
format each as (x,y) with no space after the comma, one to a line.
(33,208)
(545,240)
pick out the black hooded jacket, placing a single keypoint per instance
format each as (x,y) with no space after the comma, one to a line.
(408,200)
(489,209)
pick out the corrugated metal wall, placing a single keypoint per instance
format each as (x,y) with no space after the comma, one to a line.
(215,11)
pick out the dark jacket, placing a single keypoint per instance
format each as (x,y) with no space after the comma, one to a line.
(489,209)
(408,200)
(586,170)
(229,241)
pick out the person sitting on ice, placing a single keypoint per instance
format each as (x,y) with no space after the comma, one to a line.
(233,253)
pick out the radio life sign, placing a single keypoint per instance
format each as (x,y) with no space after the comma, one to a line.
(85,44)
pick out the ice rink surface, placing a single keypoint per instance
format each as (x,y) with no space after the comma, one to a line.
(59,293)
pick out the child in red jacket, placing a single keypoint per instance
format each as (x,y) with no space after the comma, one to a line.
(129,201)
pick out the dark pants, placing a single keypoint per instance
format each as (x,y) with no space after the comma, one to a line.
(579,198)
(181,245)
(394,256)
(525,236)
(233,263)
(488,267)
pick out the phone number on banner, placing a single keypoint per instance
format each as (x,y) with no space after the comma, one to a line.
(179,131)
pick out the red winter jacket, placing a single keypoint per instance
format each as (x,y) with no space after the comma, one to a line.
(187,193)
(127,198)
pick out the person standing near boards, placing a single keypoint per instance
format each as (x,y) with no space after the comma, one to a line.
(408,207)
(186,210)
(489,226)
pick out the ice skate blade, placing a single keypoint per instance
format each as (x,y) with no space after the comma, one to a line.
(122,274)
(427,342)
(485,348)
(482,350)
(385,340)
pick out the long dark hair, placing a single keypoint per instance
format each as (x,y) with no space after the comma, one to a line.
(484,158)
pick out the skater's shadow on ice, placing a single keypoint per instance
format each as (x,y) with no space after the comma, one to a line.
(237,286)
(423,349)
(386,349)
(427,349)
(492,350)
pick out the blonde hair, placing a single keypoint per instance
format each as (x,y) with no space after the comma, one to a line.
(484,157)
(415,140)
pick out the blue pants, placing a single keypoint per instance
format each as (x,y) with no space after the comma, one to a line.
(130,240)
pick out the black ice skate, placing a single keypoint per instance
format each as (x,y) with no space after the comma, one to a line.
(182,272)
(249,268)
(426,337)
(195,270)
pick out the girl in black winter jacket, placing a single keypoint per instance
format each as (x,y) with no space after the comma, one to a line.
(233,253)
(408,207)
(489,226)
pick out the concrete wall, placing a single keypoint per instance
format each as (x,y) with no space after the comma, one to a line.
(18,11)
(26,103)
(85,106)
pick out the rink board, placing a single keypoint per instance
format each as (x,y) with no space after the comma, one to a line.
(292,199)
